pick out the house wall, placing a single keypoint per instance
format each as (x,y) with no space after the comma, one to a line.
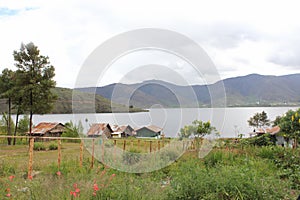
(128,131)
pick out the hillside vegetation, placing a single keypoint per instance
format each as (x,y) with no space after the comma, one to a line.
(250,90)
(82,103)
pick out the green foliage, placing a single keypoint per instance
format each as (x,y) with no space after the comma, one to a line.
(289,162)
(269,172)
(53,146)
(262,140)
(73,130)
(23,125)
(223,181)
(132,156)
(39,146)
(4,123)
(198,129)
(259,120)
(35,80)
(187,131)
(290,124)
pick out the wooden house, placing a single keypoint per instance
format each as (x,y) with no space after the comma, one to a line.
(100,129)
(47,129)
(148,132)
(122,131)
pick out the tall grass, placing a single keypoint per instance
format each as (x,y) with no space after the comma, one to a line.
(237,173)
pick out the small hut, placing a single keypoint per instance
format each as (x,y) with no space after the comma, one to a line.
(100,129)
(148,132)
(47,129)
(122,131)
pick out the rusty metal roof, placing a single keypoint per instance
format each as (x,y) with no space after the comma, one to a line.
(273,130)
(45,127)
(97,129)
(122,128)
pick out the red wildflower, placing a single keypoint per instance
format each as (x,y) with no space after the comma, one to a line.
(72,193)
(96,188)
(7,190)
(58,173)
(30,177)
(94,193)
(8,195)
(112,176)
(11,178)
(75,185)
(77,190)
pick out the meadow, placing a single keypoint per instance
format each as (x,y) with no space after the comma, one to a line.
(229,171)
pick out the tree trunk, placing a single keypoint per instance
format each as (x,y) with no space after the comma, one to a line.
(9,122)
(31,112)
(30,123)
(17,119)
(16,127)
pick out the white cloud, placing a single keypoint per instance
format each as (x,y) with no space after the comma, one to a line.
(241,37)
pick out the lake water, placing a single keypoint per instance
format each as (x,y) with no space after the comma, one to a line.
(229,121)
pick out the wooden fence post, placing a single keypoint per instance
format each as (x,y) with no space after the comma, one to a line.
(115,148)
(31,144)
(138,144)
(93,153)
(81,154)
(150,146)
(59,153)
(124,145)
(145,145)
(158,145)
(102,150)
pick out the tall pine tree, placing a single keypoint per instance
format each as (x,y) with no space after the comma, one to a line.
(35,79)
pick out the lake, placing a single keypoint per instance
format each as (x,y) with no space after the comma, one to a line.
(229,121)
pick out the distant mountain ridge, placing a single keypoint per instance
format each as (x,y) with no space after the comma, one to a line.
(249,90)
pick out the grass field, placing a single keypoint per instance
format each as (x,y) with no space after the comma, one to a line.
(229,171)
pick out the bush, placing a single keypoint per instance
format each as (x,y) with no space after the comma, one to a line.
(53,146)
(132,156)
(39,146)
(263,140)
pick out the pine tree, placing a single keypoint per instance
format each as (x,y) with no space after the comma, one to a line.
(35,80)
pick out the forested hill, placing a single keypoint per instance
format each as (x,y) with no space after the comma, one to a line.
(63,104)
(250,90)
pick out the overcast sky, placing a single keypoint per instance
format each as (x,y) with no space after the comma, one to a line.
(240,37)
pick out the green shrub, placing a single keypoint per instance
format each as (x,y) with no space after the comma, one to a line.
(132,156)
(262,140)
(39,146)
(53,146)
(169,155)
(213,159)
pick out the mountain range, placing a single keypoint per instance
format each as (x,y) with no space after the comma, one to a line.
(250,90)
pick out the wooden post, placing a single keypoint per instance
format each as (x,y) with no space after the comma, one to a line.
(31,144)
(102,150)
(138,144)
(81,154)
(115,148)
(150,146)
(124,145)
(59,153)
(158,145)
(145,145)
(93,153)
